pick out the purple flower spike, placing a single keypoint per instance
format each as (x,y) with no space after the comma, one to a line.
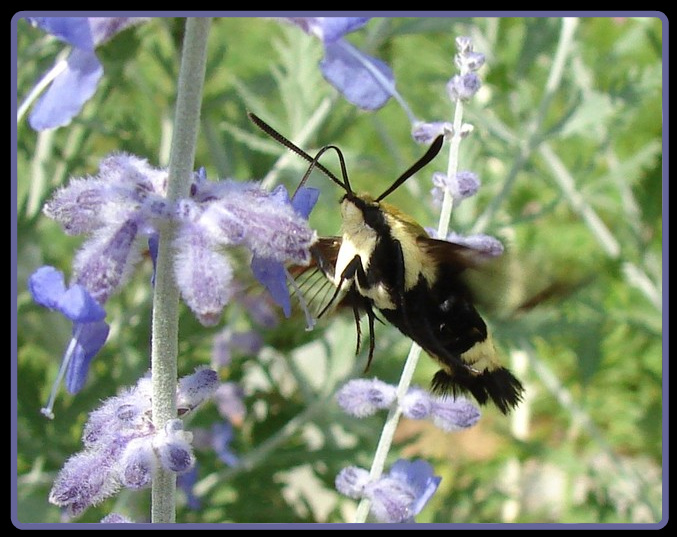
(122,448)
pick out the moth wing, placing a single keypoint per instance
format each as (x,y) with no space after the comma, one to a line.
(315,281)
(507,284)
(482,274)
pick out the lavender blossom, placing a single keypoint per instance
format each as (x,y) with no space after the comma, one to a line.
(395,497)
(351,481)
(461,185)
(122,448)
(463,87)
(90,331)
(196,388)
(419,479)
(425,133)
(363,397)
(485,244)
(73,81)
(416,404)
(454,413)
(172,447)
(186,481)
(115,518)
(127,201)
(363,80)
(222,435)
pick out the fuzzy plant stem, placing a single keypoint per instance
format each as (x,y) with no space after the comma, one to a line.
(164,339)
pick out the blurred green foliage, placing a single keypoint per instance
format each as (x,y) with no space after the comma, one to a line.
(572,180)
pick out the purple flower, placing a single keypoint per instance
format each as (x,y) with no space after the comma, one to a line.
(463,87)
(172,447)
(186,481)
(395,497)
(363,80)
(466,59)
(48,289)
(75,79)
(462,185)
(416,404)
(447,413)
(363,397)
(484,244)
(196,388)
(415,478)
(425,133)
(351,481)
(115,518)
(222,435)
(90,331)
(454,413)
(270,272)
(127,201)
(122,448)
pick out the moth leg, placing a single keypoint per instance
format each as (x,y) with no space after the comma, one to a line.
(356,314)
(348,273)
(372,339)
(354,269)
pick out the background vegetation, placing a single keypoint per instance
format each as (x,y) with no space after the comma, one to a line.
(571,181)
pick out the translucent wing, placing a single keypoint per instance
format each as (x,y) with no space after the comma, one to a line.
(315,281)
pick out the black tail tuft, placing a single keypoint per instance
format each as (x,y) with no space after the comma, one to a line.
(499,385)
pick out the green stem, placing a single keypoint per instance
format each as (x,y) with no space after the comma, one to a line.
(165,326)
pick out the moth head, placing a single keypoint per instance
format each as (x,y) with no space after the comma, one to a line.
(359,211)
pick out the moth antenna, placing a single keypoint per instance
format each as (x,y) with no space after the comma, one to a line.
(270,131)
(432,152)
(345,184)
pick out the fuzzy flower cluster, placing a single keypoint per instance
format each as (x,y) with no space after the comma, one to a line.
(122,447)
(395,497)
(122,210)
(364,397)
(127,201)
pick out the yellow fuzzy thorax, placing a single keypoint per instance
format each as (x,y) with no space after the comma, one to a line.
(360,239)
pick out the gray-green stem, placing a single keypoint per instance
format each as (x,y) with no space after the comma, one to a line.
(165,326)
